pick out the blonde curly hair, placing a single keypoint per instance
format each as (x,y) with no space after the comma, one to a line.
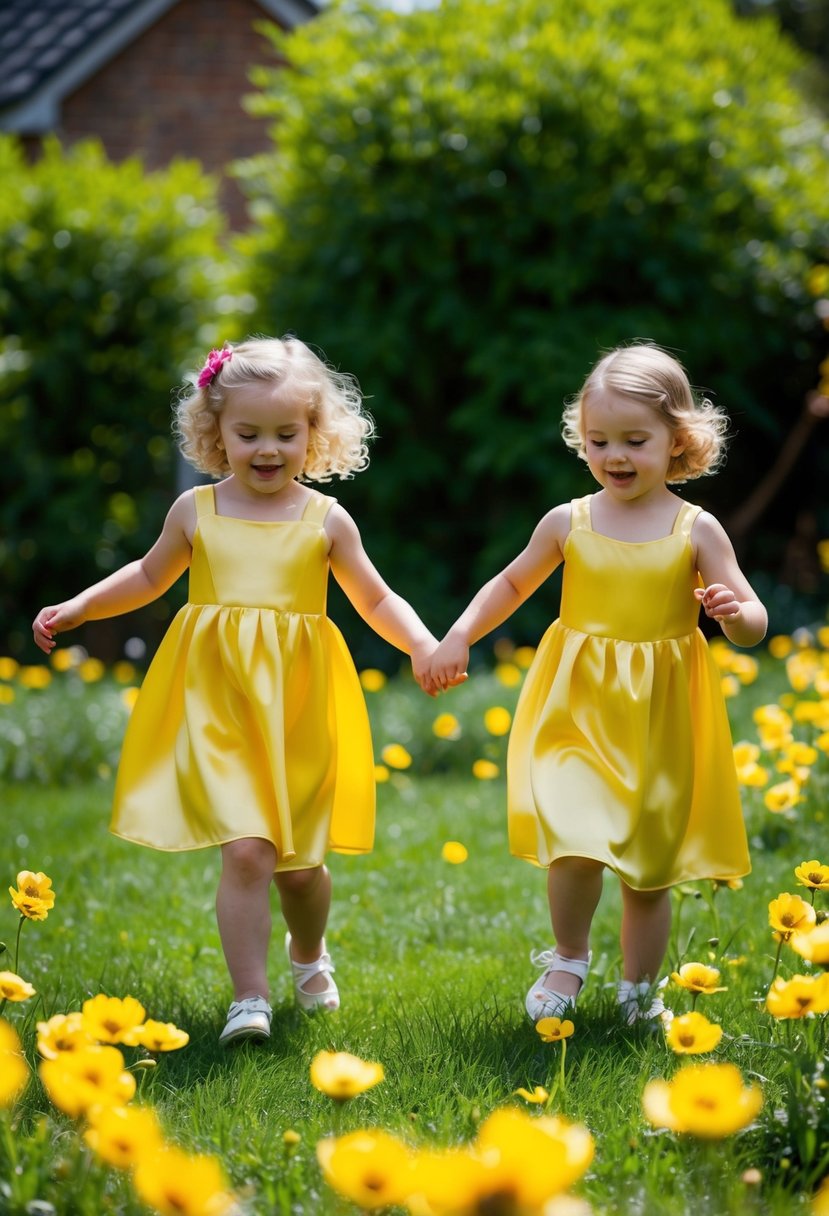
(646,373)
(339,426)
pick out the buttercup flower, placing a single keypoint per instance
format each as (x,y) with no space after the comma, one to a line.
(92,1076)
(798,996)
(91,671)
(508,674)
(485,770)
(175,1183)
(157,1036)
(446,726)
(372,680)
(396,756)
(63,1032)
(371,1168)
(37,676)
(13,988)
(33,897)
(497,720)
(813,945)
(341,1075)
(813,874)
(111,1019)
(123,1135)
(14,1071)
(704,1100)
(692,1034)
(789,913)
(454,852)
(696,977)
(783,796)
(552,1030)
(538,1095)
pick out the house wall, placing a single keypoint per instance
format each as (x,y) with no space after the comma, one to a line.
(177,91)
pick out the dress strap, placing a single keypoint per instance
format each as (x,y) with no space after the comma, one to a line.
(685,517)
(205,500)
(580,513)
(317,507)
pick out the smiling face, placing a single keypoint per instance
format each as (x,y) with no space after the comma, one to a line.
(264,429)
(628,445)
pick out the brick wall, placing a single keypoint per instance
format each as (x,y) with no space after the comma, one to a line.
(177,91)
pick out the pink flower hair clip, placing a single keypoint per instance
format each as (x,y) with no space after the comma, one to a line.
(214,361)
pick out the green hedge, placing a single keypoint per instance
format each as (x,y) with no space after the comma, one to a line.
(465,204)
(108,290)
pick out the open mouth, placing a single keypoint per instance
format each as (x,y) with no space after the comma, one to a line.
(621,479)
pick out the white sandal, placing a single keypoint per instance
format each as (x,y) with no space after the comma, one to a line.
(329,997)
(545,1002)
(642,1002)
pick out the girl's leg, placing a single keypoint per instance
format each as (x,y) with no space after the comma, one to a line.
(243,913)
(646,927)
(305,896)
(574,886)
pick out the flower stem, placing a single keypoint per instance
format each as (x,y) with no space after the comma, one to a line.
(17,944)
(777,957)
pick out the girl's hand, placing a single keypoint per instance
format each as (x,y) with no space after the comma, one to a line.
(57,618)
(421,657)
(449,663)
(719,602)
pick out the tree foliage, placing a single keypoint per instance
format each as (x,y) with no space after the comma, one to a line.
(466,204)
(109,277)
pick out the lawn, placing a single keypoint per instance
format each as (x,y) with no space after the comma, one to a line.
(432,962)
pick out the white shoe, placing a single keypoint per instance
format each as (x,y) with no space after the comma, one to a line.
(247,1019)
(643,1002)
(542,1002)
(329,997)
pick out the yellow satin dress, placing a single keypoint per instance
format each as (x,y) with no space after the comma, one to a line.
(621,750)
(251,720)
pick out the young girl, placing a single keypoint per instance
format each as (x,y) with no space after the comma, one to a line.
(251,731)
(620,753)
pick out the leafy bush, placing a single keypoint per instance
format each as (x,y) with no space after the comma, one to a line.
(466,204)
(109,285)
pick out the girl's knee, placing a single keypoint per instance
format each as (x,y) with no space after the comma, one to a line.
(583,866)
(250,859)
(298,882)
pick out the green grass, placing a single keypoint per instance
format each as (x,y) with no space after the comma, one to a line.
(432,964)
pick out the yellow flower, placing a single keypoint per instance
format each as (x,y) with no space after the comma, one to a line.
(35,677)
(342,1076)
(290,1137)
(692,1034)
(780,646)
(538,1095)
(6,694)
(124,672)
(813,874)
(381,773)
(745,668)
(179,1184)
(372,680)
(485,770)
(704,1100)
(497,720)
(112,1019)
(523,656)
(745,753)
(798,996)
(552,1030)
(788,913)
(530,1158)
(446,726)
(123,1135)
(371,1168)
(454,852)
(813,945)
(752,774)
(92,1076)
(783,797)
(8,668)
(508,674)
(63,1032)
(396,756)
(13,988)
(91,670)
(33,896)
(801,753)
(157,1036)
(774,736)
(820,1203)
(697,977)
(772,715)
(14,1071)
(730,686)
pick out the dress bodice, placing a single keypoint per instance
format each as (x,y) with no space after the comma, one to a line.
(281,566)
(602,587)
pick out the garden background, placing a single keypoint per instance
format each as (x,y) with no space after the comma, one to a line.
(462,206)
